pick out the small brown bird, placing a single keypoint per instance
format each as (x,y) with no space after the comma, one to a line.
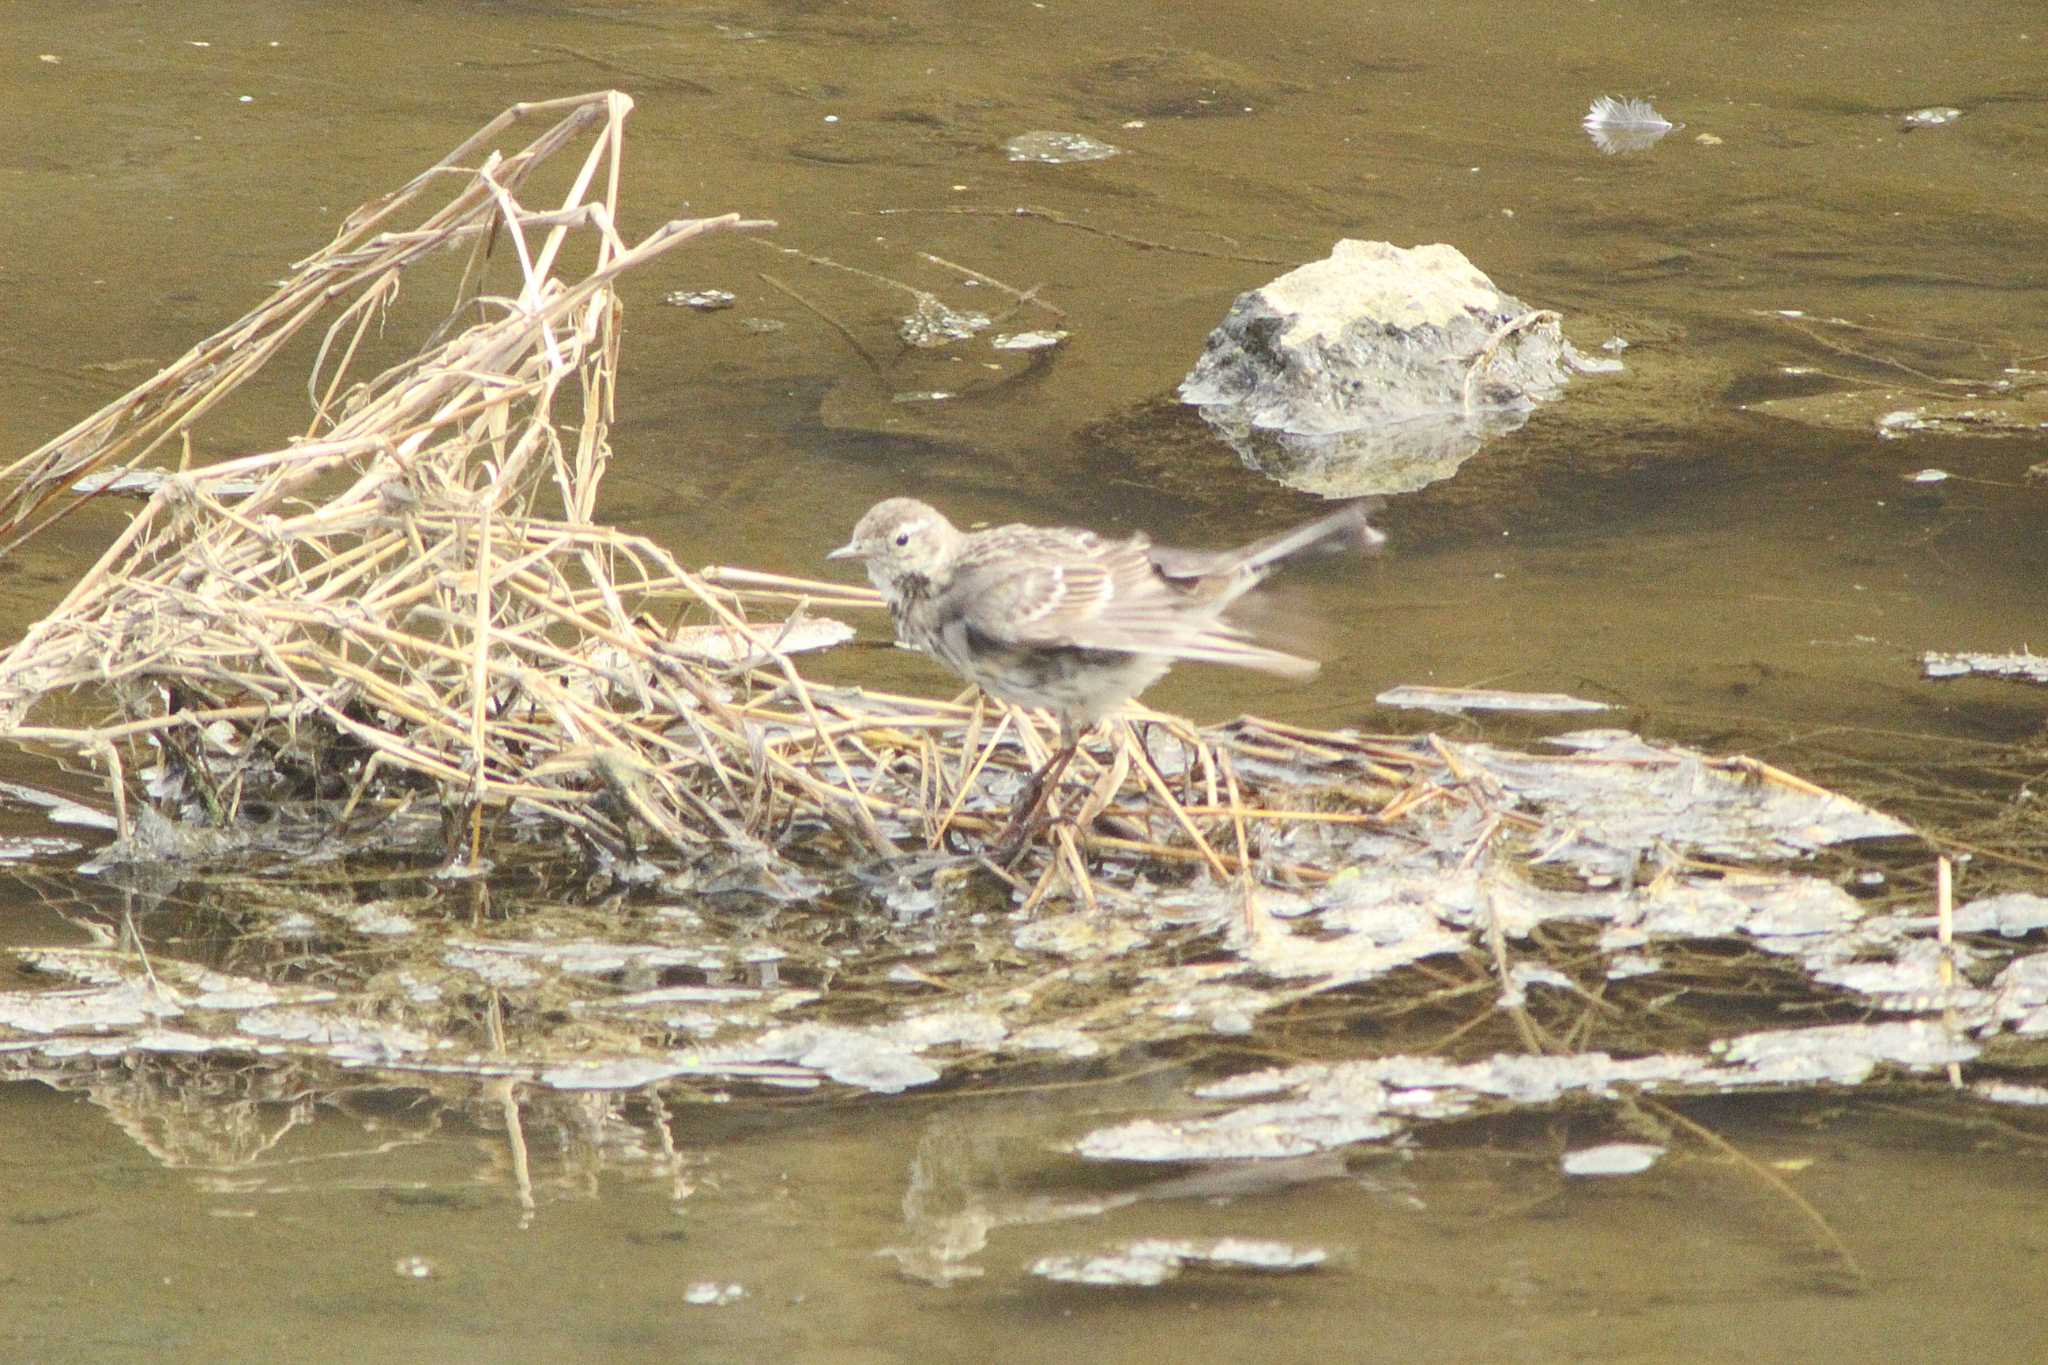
(1067,620)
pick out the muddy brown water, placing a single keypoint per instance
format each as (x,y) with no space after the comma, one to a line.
(1729,579)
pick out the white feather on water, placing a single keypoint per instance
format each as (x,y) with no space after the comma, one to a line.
(1624,125)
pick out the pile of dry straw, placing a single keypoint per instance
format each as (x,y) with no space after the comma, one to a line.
(411,602)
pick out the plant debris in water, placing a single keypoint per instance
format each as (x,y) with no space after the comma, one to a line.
(1327,1105)
(1482,699)
(703,300)
(1935,116)
(1612,1158)
(2022,665)
(1155,1260)
(1054,149)
(710,979)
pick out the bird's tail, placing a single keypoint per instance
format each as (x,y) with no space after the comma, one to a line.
(1347,528)
(1235,571)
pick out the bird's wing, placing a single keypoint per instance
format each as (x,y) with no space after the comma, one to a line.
(1033,585)
(1072,589)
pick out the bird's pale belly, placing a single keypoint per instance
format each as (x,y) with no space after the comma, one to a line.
(1083,685)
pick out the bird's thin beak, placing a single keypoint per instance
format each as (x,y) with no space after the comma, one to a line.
(849,550)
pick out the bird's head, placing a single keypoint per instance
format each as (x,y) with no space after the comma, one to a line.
(901,538)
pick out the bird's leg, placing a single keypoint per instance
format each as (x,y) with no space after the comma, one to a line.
(1031,802)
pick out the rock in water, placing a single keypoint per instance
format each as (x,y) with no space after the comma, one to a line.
(1377,369)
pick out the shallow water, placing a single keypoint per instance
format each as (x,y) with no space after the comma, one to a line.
(1478,1251)
(1730,579)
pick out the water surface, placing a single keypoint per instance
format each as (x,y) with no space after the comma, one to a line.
(1731,579)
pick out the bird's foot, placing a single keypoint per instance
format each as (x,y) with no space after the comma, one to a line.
(1010,843)
(1028,814)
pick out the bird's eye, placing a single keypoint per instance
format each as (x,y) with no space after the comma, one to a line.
(902,538)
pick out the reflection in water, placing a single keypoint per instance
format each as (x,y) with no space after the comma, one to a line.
(1746,582)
